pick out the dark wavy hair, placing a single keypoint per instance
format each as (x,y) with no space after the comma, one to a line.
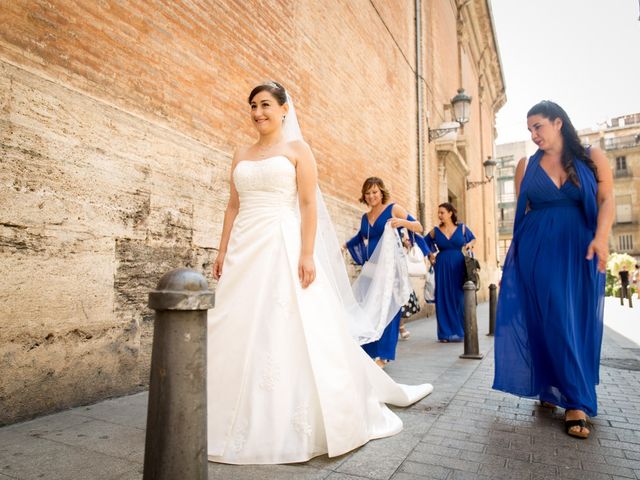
(450,208)
(374,182)
(572,147)
(274,88)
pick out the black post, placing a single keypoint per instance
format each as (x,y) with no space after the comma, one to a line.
(493,302)
(630,296)
(471,348)
(176,438)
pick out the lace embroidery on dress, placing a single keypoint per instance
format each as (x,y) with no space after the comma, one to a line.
(270,374)
(282,299)
(301,421)
(240,437)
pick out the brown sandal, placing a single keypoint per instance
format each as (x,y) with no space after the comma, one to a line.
(577,428)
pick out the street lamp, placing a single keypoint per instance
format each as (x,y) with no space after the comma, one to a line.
(460,104)
(489,167)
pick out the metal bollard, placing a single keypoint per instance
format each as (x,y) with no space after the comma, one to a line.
(630,296)
(471,348)
(493,303)
(176,438)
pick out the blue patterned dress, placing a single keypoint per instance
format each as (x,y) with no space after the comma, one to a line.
(449,270)
(549,317)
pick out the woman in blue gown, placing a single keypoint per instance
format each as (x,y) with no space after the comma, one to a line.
(449,238)
(549,318)
(362,245)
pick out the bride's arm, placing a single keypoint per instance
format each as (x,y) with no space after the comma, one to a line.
(307,179)
(229,217)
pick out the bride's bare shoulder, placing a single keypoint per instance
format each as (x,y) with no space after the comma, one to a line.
(300,151)
(241,153)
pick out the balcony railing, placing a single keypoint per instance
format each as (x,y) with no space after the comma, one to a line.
(506,172)
(505,226)
(622,173)
(506,198)
(618,143)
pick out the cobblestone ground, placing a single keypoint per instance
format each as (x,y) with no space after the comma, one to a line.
(464,430)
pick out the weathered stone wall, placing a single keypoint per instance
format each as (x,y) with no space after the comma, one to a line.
(117,124)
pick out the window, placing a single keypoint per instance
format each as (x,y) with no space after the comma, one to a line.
(621,164)
(623,209)
(503,248)
(507,191)
(625,242)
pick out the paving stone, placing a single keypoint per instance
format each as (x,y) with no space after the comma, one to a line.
(484,458)
(623,462)
(104,437)
(130,411)
(634,447)
(458,475)
(462,445)
(424,470)
(565,459)
(531,467)
(575,474)
(609,469)
(217,471)
(379,459)
(522,455)
(41,458)
(342,476)
(130,475)
(443,461)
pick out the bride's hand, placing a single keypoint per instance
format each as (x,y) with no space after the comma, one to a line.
(217,265)
(306,270)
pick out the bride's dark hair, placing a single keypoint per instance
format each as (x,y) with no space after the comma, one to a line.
(572,147)
(274,88)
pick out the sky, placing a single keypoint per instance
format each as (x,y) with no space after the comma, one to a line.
(582,54)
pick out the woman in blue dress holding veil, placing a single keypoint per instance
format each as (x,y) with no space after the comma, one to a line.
(549,318)
(362,245)
(449,239)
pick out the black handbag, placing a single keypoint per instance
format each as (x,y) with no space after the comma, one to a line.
(472,269)
(412,307)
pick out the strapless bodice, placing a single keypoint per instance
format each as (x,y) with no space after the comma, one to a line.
(268,183)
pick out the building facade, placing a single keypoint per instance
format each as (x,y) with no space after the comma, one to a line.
(619,138)
(118,121)
(507,157)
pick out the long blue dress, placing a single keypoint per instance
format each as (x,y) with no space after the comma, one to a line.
(361,246)
(549,316)
(449,270)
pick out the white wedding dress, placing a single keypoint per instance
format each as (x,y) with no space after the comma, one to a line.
(286,382)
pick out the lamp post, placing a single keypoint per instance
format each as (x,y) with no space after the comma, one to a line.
(460,103)
(489,168)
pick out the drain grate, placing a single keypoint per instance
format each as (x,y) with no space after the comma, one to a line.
(632,364)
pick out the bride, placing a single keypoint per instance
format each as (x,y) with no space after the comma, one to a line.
(286,379)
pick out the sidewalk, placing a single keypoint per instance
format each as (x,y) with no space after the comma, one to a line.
(464,430)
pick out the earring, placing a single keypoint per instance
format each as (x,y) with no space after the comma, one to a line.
(283,117)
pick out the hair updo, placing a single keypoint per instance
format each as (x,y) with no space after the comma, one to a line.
(274,88)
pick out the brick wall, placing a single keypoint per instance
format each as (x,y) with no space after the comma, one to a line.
(117,123)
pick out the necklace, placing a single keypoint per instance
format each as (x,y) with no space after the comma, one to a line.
(263,150)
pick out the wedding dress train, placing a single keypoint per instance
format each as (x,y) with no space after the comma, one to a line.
(286,381)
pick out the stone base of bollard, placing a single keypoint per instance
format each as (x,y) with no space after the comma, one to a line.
(472,356)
